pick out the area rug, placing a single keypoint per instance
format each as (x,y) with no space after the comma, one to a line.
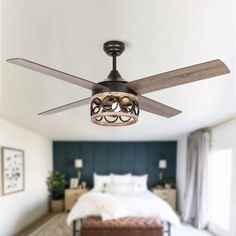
(56,226)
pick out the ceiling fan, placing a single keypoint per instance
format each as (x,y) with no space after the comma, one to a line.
(116,102)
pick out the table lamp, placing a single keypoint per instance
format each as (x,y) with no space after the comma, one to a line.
(162,166)
(79,165)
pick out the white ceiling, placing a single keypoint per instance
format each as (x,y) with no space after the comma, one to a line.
(159,36)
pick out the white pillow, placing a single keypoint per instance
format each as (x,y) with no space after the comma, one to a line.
(140,182)
(127,178)
(120,188)
(100,182)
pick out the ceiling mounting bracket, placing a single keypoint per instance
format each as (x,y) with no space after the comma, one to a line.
(114,48)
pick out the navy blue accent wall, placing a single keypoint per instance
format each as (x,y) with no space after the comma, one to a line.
(115,157)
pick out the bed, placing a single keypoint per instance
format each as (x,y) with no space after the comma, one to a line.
(118,196)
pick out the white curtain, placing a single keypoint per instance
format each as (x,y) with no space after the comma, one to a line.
(196,192)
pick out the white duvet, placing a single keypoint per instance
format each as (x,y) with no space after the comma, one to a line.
(113,206)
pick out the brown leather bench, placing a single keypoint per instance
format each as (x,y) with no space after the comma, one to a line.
(128,226)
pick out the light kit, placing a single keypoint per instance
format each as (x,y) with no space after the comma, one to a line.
(114,109)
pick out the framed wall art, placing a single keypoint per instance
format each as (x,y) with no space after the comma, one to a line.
(13,176)
(74,183)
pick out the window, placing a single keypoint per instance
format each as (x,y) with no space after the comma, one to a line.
(220,190)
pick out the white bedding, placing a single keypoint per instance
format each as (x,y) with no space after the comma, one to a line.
(114,206)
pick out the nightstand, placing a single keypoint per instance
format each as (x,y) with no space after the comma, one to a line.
(168,195)
(72,196)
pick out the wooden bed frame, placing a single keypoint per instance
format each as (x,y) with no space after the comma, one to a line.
(166,226)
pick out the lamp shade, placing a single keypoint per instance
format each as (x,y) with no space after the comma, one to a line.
(162,164)
(78,163)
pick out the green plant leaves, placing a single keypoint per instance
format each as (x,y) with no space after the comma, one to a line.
(56,185)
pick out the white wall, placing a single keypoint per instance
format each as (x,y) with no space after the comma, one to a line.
(20,209)
(224,136)
(181,171)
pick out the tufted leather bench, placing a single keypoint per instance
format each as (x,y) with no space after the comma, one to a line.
(128,226)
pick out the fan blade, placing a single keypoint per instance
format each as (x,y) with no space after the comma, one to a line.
(158,108)
(67,107)
(55,73)
(177,77)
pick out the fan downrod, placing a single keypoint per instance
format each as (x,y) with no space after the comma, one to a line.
(114,48)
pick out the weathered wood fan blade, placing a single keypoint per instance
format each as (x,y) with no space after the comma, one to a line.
(157,108)
(177,77)
(55,73)
(66,107)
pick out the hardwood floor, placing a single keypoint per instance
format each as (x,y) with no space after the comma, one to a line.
(36,225)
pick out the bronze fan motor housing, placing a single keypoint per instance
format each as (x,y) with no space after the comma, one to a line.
(115,101)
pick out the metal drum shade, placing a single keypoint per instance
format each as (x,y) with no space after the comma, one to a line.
(114,109)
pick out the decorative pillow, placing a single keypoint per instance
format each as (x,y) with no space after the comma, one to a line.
(127,178)
(120,188)
(100,182)
(140,182)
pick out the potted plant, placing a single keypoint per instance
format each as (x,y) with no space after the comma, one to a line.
(56,186)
